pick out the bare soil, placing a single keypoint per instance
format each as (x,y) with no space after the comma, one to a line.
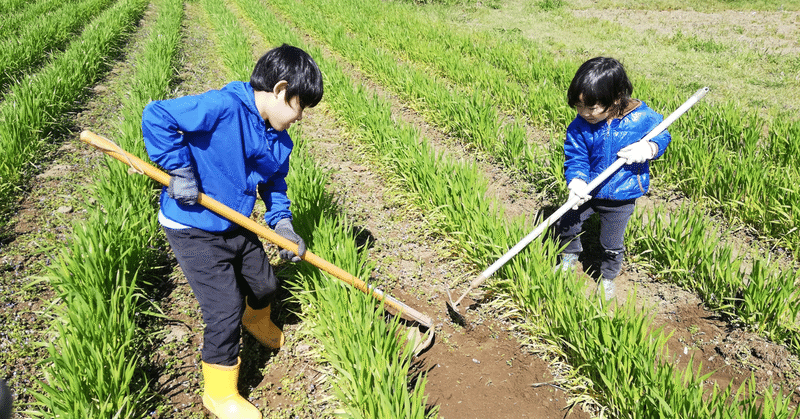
(471,373)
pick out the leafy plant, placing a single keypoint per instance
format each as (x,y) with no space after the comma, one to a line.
(93,368)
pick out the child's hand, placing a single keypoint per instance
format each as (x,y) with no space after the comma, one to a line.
(638,152)
(183,186)
(576,188)
(286,230)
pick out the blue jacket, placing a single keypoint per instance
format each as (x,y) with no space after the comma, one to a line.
(591,148)
(221,134)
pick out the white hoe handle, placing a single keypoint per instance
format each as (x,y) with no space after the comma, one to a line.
(589,188)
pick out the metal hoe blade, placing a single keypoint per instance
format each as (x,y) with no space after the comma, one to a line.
(420,344)
(452,310)
(452,306)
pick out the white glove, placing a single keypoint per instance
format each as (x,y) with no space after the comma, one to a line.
(638,152)
(576,188)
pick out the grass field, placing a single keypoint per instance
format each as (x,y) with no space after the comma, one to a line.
(513,363)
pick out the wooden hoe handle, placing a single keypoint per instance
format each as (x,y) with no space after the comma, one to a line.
(159,176)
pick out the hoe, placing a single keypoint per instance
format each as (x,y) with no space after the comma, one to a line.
(415,335)
(452,306)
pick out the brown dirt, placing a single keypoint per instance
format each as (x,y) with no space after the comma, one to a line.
(481,372)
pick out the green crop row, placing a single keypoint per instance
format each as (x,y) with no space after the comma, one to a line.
(93,368)
(505,72)
(33,108)
(32,44)
(372,378)
(681,247)
(620,354)
(370,359)
(467,115)
(471,117)
(13,21)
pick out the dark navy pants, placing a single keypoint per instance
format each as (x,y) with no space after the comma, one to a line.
(614,216)
(223,269)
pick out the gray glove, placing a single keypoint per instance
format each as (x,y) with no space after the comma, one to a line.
(286,230)
(183,186)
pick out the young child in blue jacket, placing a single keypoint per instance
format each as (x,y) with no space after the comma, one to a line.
(608,126)
(232,145)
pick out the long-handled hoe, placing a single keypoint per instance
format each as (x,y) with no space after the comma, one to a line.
(452,306)
(421,342)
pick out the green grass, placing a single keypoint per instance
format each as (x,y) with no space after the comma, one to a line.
(94,359)
(33,109)
(463,82)
(42,36)
(754,72)
(634,382)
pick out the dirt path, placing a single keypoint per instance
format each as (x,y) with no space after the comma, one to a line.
(483,373)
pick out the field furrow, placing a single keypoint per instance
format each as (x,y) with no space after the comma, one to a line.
(436,147)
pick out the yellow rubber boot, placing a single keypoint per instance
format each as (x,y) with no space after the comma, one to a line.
(258,323)
(221,393)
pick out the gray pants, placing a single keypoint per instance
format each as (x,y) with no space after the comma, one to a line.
(614,216)
(223,269)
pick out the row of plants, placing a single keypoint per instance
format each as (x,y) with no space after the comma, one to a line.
(755,290)
(29,47)
(472,117)
(93,369)
(466,115)
(34,108)
(14,20)
(371,367)
(507,72)
(620,354)
(622,357)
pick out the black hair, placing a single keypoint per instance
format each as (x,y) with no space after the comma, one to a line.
(296,67)
(601,80)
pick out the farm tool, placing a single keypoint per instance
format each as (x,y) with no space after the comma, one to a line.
(452,306)
(421,341)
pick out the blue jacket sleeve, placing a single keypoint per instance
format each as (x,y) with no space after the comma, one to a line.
(649,119)
(163,124)
(274,195)
(663,141)
(576,156)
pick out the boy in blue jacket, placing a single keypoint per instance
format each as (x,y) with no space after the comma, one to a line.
(608,126)
(232,145)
